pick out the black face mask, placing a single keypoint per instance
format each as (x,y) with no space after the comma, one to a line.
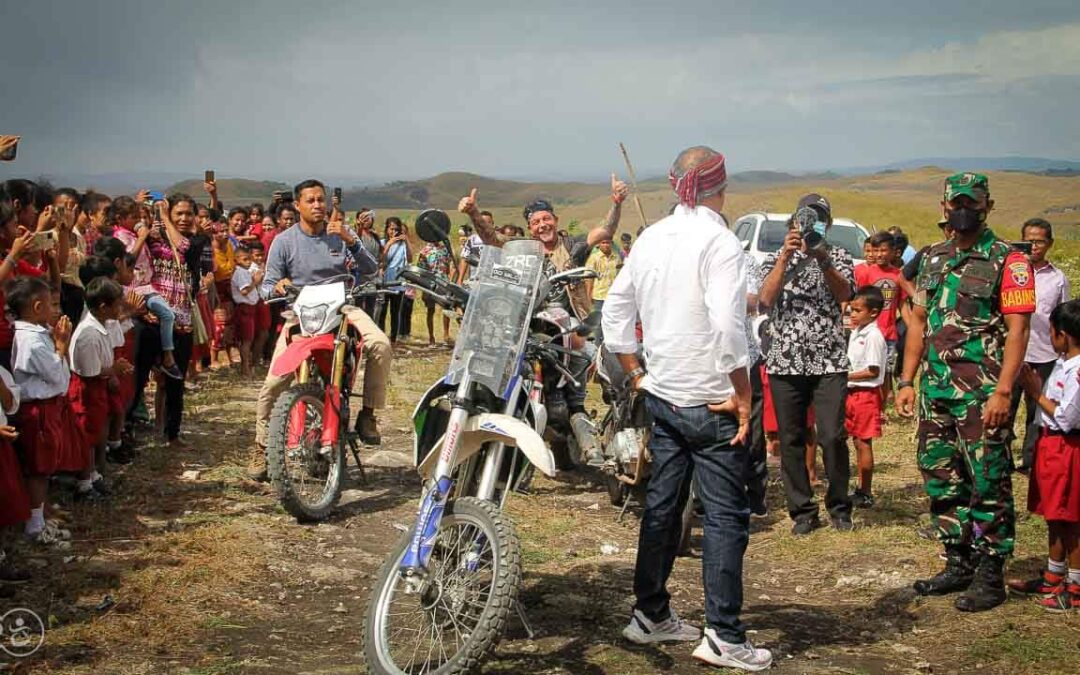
(966,219)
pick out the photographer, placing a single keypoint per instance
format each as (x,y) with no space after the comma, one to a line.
(805,284)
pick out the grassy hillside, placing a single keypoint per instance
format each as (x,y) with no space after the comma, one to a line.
(444,191)
(232,191)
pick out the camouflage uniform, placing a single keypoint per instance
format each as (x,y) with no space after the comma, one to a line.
(966,467)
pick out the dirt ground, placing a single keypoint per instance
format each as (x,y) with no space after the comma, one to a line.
(201,572)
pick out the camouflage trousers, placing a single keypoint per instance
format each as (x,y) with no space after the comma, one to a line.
(966,471)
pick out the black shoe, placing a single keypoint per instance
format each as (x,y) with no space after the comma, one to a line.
(987,589)
(10,574)
(805,525)
(758,507)
(842,523)
(862,500)
(956,576)
(103,485)
(91,496)
(118,456)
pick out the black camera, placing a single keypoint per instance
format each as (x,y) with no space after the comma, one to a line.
(806,221)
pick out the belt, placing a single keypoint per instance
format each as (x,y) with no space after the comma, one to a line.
(1064,434)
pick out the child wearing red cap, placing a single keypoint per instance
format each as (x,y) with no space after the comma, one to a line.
(1054,492)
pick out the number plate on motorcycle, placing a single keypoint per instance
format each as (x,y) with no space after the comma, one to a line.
(507,274)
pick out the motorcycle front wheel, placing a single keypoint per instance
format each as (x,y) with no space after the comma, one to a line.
(457,615)
(306,476)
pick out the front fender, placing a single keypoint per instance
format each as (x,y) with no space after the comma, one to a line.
(492,427)
(298,350)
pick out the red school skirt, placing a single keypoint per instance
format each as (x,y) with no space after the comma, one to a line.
(50,439)
(14,501)
(1054,492)
(90,401)
(120,398)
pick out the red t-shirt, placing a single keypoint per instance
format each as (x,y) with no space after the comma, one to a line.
(268,238)
(886,280)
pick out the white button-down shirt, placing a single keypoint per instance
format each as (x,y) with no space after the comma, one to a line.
(1062,388)
(9,382)
(91,347)
(866,348)
(687,282)
(1051,289)
(39,371)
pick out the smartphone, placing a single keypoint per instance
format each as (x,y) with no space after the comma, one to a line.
(44,241)
(1022,246)
(156,196)
(8,153)
(337,194)
(208,176)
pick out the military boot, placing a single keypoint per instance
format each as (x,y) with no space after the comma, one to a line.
(955,577)
(257,464)
(987,589)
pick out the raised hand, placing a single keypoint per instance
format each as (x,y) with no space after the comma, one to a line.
(468,205)
(22,244)
(7,143)
(210,186)
(123,367)
(62,334)
(142,196)
(619,189)
(46,219)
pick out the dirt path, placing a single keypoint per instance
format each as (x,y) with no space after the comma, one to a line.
(207,575)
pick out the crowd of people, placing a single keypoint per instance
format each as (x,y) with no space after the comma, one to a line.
(739,362)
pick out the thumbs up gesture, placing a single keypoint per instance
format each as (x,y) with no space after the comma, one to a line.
(468,206)
(619,189)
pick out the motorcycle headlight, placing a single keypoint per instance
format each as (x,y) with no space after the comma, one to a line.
(313,318)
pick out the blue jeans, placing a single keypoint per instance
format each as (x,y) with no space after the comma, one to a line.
(694,442)
(157,306)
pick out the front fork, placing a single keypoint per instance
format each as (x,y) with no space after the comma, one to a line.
(332,408)
(414,564)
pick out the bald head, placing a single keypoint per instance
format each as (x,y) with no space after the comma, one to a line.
(692,158)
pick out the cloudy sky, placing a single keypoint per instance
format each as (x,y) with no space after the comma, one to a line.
(531,89)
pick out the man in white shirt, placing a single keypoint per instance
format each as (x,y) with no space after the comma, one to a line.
(687,283)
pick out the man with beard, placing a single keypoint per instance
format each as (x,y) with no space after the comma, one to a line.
(562,252)
(969,329)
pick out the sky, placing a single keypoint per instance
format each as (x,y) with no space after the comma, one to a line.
(378,91)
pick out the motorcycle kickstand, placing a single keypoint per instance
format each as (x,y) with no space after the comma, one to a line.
(622,511)
(355,448)
(524,620)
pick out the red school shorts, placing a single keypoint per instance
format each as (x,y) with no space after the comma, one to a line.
(1054,492)
(50,439)
(863,418)
(769,412)
(244,322)
(14,501)
(262,317)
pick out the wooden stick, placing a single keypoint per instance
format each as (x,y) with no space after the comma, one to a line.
(633,183)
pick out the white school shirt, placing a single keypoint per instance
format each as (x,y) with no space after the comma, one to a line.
(38,370)
(1062,388)
(117,330)
(9,382)
(866,347)
(242,277)
(91,347)
(687,281)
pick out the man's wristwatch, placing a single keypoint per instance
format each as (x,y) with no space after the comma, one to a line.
(635,373)
(902,384)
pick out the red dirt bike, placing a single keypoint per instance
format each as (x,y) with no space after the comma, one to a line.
(309,424)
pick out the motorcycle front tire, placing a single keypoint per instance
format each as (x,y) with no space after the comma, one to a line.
(276,464)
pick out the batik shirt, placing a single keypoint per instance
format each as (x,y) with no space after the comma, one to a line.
(435,258)
(806,329)
(967,295)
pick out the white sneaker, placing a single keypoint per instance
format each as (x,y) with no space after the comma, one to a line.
(716,652)
(673,629)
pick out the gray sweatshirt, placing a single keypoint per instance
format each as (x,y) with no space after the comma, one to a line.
(307,259)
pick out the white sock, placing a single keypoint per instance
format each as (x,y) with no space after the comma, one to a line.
(37,520)
(1058,568)
(94,477)
(85,485)
(1074,576)
(114,445)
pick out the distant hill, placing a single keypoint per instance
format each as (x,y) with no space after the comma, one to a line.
(1024,164)
(446,189)
(232,191)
